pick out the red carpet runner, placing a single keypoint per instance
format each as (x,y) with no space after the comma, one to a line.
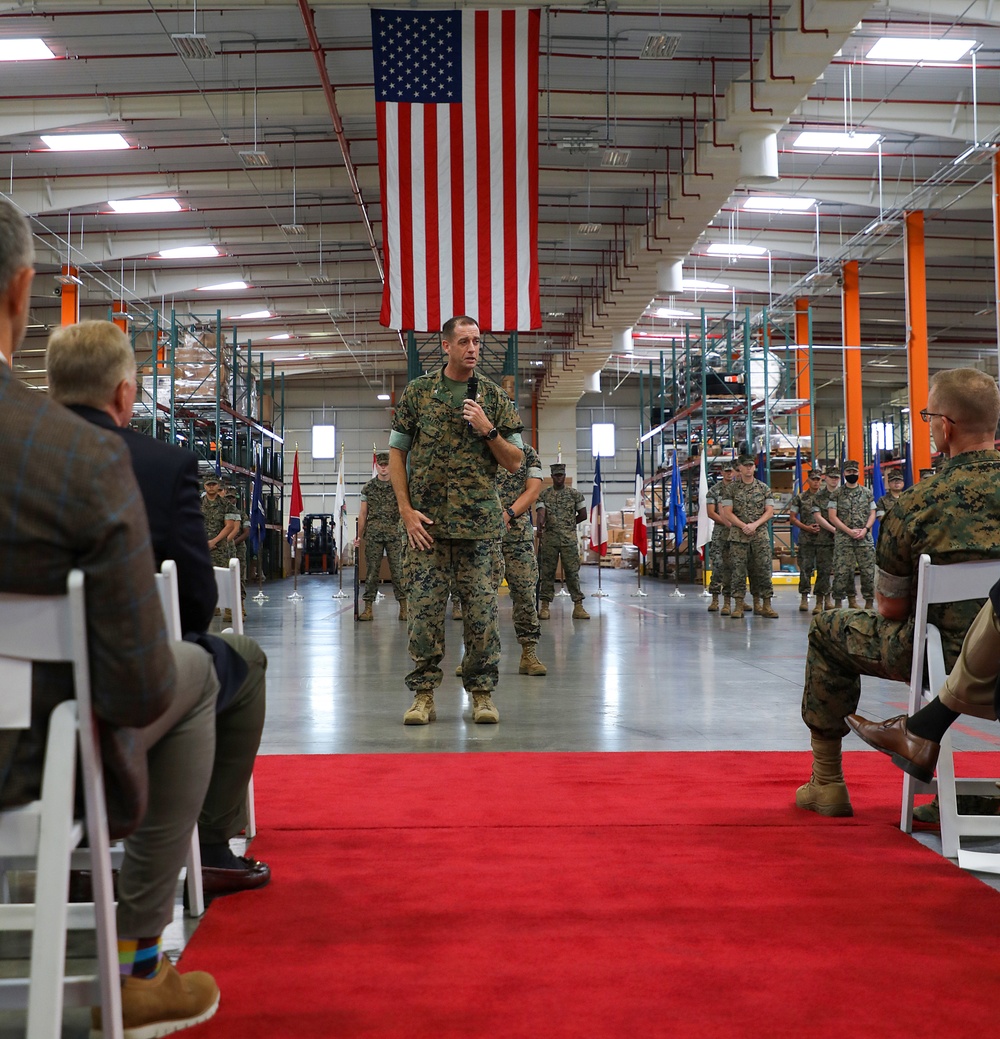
(454,896)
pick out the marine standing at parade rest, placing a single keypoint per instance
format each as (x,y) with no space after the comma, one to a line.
(852,513)
(800,512)
(455,428)
(718,552)
(894,481)
(824,541)
(518,492)
(747,506)
(560,509)
(222,524)
(378,527)
(240,542)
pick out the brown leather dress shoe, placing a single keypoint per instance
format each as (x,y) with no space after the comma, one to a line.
(250,875)
(913,754)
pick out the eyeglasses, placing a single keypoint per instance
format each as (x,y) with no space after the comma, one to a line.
(928,415)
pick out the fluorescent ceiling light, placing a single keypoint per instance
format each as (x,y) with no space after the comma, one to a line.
(832,141)
(189,252)
(701,285)
(778,204)
(383,396)
(912,50)
(254,315)
(281,335)
(85,142)
(145,205)
(670,312)
(24,50)
(224,286)
(734,249)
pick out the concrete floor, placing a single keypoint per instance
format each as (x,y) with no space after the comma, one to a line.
(645,673)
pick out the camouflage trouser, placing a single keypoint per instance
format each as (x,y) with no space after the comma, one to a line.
(549,551)
(375,545)
(843,646)
(718,556)
(807,564)
(427,577)
(521,571)
(241,555)
(751,558)
(824,566)
(222,553)
(849,553)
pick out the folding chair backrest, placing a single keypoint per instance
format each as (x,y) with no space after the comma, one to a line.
(170,598)
(50,629)
(227,581)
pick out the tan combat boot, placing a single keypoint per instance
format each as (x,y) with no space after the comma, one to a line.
(456,610)
(838,604)
(530,664)
(818,608)
(366,614)
(726,609)
(766,609)
(421,710)
(484,711)
(869,603)
(579,613)
(804,604)
(402,612)
(458,670)
(828,603)
(852,602)
(738,607)
(756,606)
(713,606)
(543,613)
(826,792)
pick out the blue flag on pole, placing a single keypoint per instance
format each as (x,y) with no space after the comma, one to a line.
(258,521)
(798,490)
(761,472)
(676,516)
(878,490)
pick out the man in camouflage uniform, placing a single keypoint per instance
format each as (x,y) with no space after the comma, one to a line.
(718,552)
(952,517)
(378,527)
(895,481)
(852,512)
(455,435)
(747,506)
(800,513)
(240,542)
(560,509)
(824,541)
(222,524)
(518,492)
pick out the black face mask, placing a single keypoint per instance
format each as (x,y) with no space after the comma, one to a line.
(851,478)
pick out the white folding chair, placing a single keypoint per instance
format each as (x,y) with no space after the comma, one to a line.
(227,581)
(170,600)
(37,629)
(956,582)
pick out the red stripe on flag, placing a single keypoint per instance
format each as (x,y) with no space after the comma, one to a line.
(405,218)
(384,316)
(431,187)
(456,304)
(531,139)
(508,128)
(483,164)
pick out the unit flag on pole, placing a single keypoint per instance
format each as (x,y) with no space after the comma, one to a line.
(295,503)
(639,538)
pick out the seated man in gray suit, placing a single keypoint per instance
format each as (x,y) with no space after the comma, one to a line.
(68,500)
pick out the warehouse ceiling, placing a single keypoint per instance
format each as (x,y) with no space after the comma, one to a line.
(654,127)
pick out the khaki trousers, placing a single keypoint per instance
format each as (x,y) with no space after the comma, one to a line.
(969,688)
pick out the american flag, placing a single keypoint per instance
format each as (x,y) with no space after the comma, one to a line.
(456,108)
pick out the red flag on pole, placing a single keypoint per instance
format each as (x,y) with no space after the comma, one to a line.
(598,515)
(456,111)
(295,504)
(639,538)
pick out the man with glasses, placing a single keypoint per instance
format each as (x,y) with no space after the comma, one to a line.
(963,407)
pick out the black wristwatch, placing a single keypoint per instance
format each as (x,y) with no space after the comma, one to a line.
(492,434)
(512,514)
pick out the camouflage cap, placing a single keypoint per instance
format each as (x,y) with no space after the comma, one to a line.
(815,473)
(746,460)
(850,466)
(382,457)
(210,478)
(831,471)
(895,475)
(558,468)
(728,465)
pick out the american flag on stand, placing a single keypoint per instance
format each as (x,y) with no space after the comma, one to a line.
(456,113)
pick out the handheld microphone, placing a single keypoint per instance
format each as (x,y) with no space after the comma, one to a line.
(471,389)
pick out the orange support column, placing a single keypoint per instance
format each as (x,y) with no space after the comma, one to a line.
(851,323)
(119,314)
(802,368)
(916,347)
(69,295)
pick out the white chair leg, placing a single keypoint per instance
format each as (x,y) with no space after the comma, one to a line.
(947,799)
(195,889)
(251,814)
